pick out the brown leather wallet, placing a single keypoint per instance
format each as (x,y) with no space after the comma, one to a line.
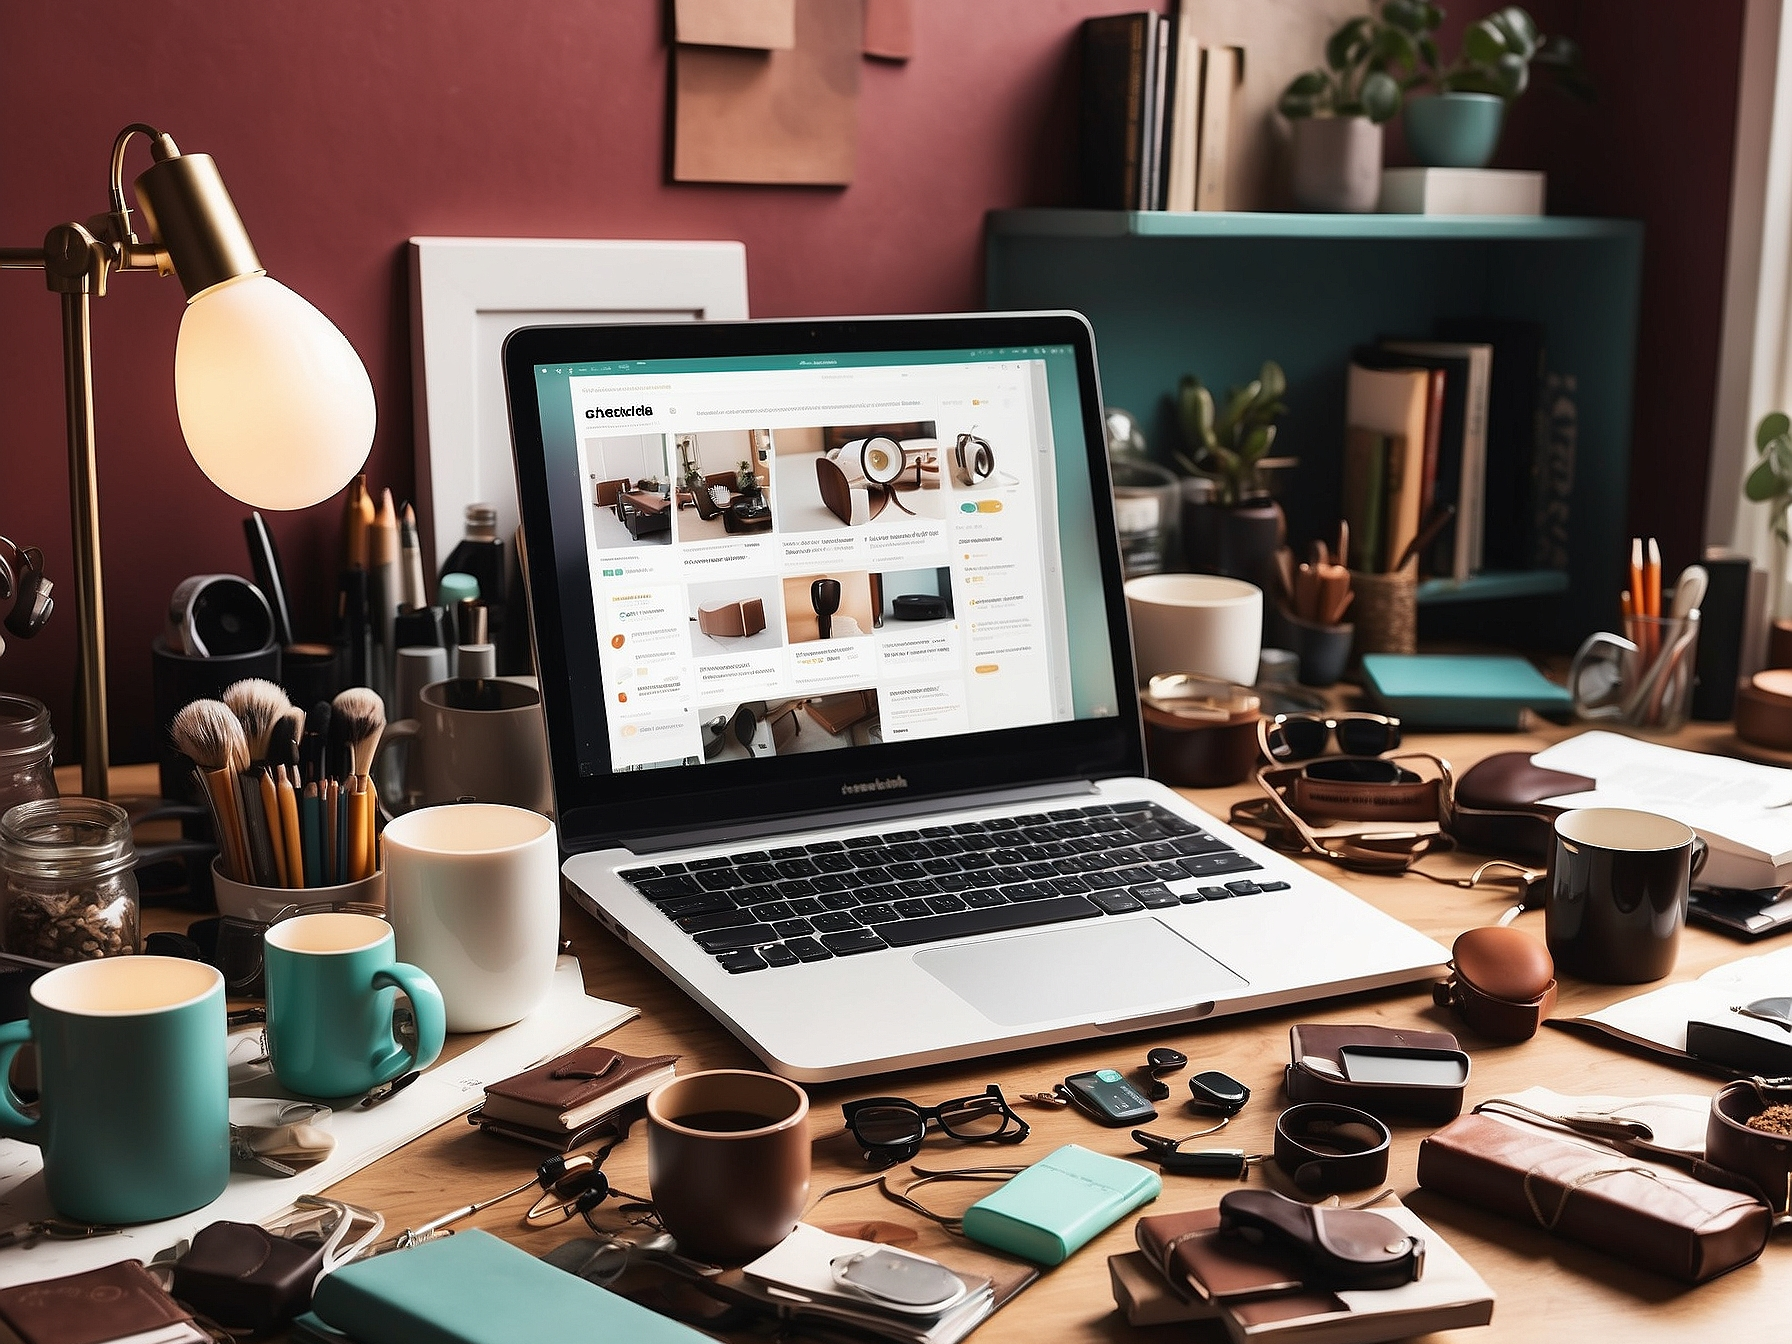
(1647,1214)
(1502,982)
(1316,1071)
(245,1278)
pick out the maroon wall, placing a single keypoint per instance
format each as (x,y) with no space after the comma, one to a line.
(343,127)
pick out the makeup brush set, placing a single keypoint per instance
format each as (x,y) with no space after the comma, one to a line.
(288,790)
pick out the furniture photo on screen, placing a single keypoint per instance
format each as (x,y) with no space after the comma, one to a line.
(631,494)
(738,732)
(724,483)
(828,606)
(734,616)
(834,476)
(912,597)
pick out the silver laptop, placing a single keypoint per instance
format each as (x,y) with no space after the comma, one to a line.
(839,695)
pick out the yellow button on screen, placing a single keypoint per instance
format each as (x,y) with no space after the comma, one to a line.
(984,669)
(989,506)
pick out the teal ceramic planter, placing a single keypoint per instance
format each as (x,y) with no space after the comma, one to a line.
(1454,130)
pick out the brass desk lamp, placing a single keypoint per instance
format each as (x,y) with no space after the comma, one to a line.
(274,404)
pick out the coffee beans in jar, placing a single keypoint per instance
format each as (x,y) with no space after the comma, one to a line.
(70,882)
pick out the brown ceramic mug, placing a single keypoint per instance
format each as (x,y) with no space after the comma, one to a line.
(728,1161)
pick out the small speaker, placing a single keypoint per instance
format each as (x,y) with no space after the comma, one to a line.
(919,607)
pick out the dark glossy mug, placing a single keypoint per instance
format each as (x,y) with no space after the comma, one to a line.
(728,1161)
(1618,882)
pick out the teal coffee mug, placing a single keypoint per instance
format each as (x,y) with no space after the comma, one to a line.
(134,1110)
(332,985)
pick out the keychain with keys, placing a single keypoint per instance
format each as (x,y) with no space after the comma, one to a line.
(29,1234)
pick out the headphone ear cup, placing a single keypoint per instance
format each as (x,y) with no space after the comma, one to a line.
(32,607)
(5,573)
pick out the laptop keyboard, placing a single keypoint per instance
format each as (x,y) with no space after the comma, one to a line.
(780,907)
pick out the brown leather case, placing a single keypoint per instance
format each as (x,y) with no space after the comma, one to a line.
(1387,1101)
(1189,1250)
(1502,982)
(1496,808)
(1650,1215)
(245,1278)
(92,1307)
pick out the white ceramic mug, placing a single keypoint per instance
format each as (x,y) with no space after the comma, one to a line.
(1198,623)
(473,896)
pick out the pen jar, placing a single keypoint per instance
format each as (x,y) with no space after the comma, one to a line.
(1386,611)
(70,880)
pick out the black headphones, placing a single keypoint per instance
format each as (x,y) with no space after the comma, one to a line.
(973,460)
(23,580)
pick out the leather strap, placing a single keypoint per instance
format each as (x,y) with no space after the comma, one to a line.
(1325,1147)
(1343,801)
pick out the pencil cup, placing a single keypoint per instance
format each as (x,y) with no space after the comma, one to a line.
(1642,678)
(1386,611)
(241,900)
(1323,650)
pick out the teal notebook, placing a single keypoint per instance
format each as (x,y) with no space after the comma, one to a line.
(473,1288)
(1449,690)
(1058,1204)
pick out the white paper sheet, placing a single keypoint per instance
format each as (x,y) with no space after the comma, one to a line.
(1660,1016)
(1743,810)
(568,1018)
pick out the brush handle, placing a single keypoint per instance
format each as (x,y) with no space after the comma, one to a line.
(223,823)
(289,827)
(270,811)
(260,842)
(311,826)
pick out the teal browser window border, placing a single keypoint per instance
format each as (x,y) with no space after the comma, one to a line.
(1093,691)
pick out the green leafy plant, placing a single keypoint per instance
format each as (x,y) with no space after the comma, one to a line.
(1770,482)
(1497,55)
(1226,444)
(1369,61)
(744,478)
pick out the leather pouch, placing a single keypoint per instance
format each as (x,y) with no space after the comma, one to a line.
(1648,1214)
(245,1278)
(1316,1071)
(1496,807)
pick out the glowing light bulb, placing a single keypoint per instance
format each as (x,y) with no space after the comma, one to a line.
(275,405)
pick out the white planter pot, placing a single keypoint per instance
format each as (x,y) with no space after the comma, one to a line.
(1337,164)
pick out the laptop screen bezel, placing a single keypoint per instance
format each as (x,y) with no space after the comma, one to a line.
(604,808)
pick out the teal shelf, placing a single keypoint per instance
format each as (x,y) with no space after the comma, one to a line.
(1216,293)
(1251,224)
(1492,587)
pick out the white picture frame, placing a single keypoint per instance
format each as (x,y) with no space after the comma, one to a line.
(468,294)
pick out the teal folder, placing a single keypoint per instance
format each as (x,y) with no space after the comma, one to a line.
(1447,690)
(1057,1205)
(473,1288)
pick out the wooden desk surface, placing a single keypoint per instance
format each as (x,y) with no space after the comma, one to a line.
(1545,1288)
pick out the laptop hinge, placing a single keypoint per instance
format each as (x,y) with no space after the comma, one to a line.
(760,827)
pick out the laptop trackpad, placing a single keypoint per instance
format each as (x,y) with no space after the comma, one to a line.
(1091,974)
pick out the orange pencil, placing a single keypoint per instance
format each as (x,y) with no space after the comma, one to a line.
(289,823)
(1652,578)
(270,808)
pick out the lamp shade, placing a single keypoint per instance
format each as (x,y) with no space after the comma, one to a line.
(275,404)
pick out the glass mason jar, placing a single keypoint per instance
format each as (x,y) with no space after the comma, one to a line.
(27,747)
(70,880)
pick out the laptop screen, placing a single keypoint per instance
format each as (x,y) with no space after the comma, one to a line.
(813,564)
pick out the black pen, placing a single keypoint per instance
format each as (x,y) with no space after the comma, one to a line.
(1426,535)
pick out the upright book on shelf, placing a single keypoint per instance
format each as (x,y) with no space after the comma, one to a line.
(1114,109)
(1514,400)
(1395,403)
(1462,445)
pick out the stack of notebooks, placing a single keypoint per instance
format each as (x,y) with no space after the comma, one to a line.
(1453,420)
(1186,1269)
(562,1103)
(115,1304)
(1156,114)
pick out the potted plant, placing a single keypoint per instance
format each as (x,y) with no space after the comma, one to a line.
(1770,483)
(1458,126)
(1336,112)
(744,479)
(1238,528)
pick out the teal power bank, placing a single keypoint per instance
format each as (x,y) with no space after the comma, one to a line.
(1060,1203)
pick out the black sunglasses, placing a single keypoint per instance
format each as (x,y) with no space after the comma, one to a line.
(890,1129)
(1300,737)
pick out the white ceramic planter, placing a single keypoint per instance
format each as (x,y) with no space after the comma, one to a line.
(1337,164)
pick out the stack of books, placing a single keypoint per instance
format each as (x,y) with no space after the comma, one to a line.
(1446,421)
(1186,1269)
(1156,117)
(560,1104)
